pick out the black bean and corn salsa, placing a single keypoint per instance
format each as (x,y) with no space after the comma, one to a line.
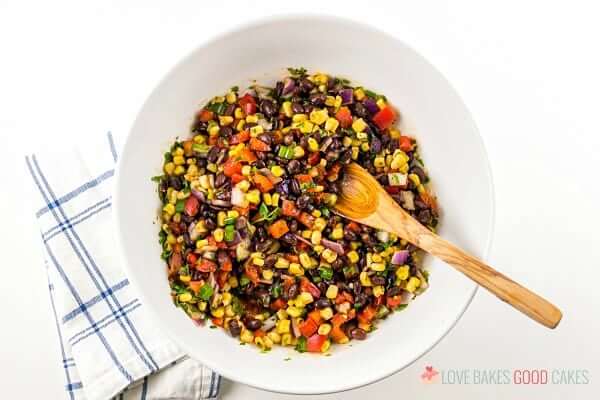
(248,229)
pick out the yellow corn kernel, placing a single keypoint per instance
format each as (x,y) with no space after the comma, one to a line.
(214,130)
(316,213)
(315,238)
(283,326)
(219,312)
(226,299)
(258,261)
(421,189)
(225,120)
(305,260)
(365,147)
(331,124)
(229,312)
(296,269)
(169,209)
(282,263)
(267,274)
(246,169)
(332,292)
(185,278)
(325,346)
(319,224)
(201,243)
(178,160)
(319,116)
(329,255)
(306,234)
(185,297)
(221,215)
(330,101)
(381,103)
(275,199)
(218,234)
(281,314)
(305,298)
(286,108)
(256,130)
(318,249)
(338,102)
(395,133)
(293,312)
(230,97)
(313,145)
(415,178)
(337,233)
(352,256)
(202,306)
(364,279)
(359,94)
(320,79)
(246,336)
(257,254)
(253,196)
(277,170)
(299,118)
(412,284)
(178,151)
(243,185)
(232,281)
(286,339)
(238,113)
(324,329)
(306,127)
(326,313)
(252,119)
(347,141)
(378,291)
(322,88)
(169,168)
(200,139)
(379,162)
(240,125)
(354,152)
(359,125)
(376,258)
(274,336)
(402,273)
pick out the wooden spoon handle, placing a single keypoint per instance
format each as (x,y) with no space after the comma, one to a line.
(502,286)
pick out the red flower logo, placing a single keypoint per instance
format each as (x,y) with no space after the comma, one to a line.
(430,375)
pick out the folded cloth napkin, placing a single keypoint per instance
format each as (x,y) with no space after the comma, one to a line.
(109,346)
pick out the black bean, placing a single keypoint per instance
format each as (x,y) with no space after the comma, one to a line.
(337,264)
(283,187)
(293,225)
(294,167)
(188,241)
(210,224)
(220,180)
(175,182)
(278,88)
(322,303)
(268,139)
(360,110)
(261,233)
(383,179)
(318,99)
(303,201)
(229,110)
(362,299)
(375,145)
(241,222)
(234,327)
(268,107)
(289,239)
(358,334)
(306,85)
(253,324)
(226,131)
(292,291)
(346,156)
(394,291)
(378,280)
(295,187)
(322,287)
(297,108)
(420,173)
(424,217)
(288,139)
(199,126)
(271,260)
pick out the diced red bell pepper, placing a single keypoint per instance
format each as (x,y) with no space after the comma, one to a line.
(343,297)
(315,315)
(191,206)
(263,183)
(252,272)
(217,321)
(195,286)
(278,228)
(306,219)
(314,158)
(191,258)
(289,209)
(314,344)
(354,227)
(248,156)
(308,286)
(259,145)
(394,301)
(334,172)
(367,315)
(393,189)
(385,117)
(303,178)
(405,143)
(205,265)
(232,167)
(237,178)
(222,277)
(205,115)
(241,137)
(247,104)
(344,116)
(308,327)
(187,148)
(277,304)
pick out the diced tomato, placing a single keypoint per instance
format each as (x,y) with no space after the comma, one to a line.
(195,286)
(247,104)
(263,183)
(205,115)
(278,228)
(191,258)
(354,227)
(344,116)
(242,210)
(236,178)
(232,167)
(260,333)
(289,209)
(222,277)
(226,265)
(385,117)
(241,137)
(205,265)
(429,200)
(292,258)
(405,143)
(278,304)
(314,158)
(343,297)
(334,172)
(394,301)
(213,140)
(301,246)
(308,327)
(306,219)
(338,335)
(393,189)
(314,344)
(308,286)
(252,272)
(191,206)
(367,315)
(315,315)
(379,301)
(304,178)
(259,145)
(248,156)
(214,243)
(217,321)
(187,148)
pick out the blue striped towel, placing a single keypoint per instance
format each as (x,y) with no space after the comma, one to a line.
(108,347)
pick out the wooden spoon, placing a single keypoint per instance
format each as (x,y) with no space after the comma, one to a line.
(363,200)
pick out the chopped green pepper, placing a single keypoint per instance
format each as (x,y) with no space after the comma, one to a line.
(179,206)
(205,292)
(229,233)
(301,345)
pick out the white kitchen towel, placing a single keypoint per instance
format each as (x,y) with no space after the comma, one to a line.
(109,348)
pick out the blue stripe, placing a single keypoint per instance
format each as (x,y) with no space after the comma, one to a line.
(144,388)
(88,185)
(60,339)
(111,144)
(218,385)
(94,300)
(70,285)
(154,366)
(109,319)
(212,384)
(73,386)
(73,223)
(76,216)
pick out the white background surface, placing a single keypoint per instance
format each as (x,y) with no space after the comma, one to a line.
(527,70)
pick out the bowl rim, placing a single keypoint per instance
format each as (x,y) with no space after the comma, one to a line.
(234,30)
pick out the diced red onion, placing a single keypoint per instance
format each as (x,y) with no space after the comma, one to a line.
(347,96)
(382,236)
(237,196)
(288,86)
(300,238)
(268,323)
(334,246)
(267,172)
(371,105)
(199,195)
(406,297)
(211,281)
(220,203)
(400,257)
(265,124)
(295,328)
(192,231)
(408,199)
(326,143)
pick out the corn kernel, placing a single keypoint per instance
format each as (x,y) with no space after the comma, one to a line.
(315,238)
(274,336)
(238,113)
(299,118)
(213,130)
(253,196)
(275,199)
(247,336)
(318,249)
(256,130)
(329,255)
(258,261)
(320,224)
(218,235)
(178,160)
(337,233)
(359,94)
(338,102)
(296,269)
(178,151)
(395,133)
(378,291)
(306,127)
(326,313)
(252,119)
(185,297)
(169,168)
(332,292)
(282,263)
(202,306)
(381,103)
(379,162)
(352,256)
(286,108)
(365,147)
(359,125)
(286,339)
(316,213)
(306,298)
(200,139)
(232,281)
(319,116)
(293,312)
(226,298)
(321,79)
(415,178)
(331,124)
(402,273)
(324,329)
(185,278)
(246,169)
(219,312)
(343,308)
(225,120)
(169,209)
(230,97)
(354,152)
(240,125)
(229,312)
(364,279)
(221,215)
(277,170)
(243,185)
(412,284)
(282,314)
(330,101)
(313,145)
(267,274)
(305,260)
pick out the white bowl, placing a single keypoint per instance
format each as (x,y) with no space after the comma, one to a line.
(431,111)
